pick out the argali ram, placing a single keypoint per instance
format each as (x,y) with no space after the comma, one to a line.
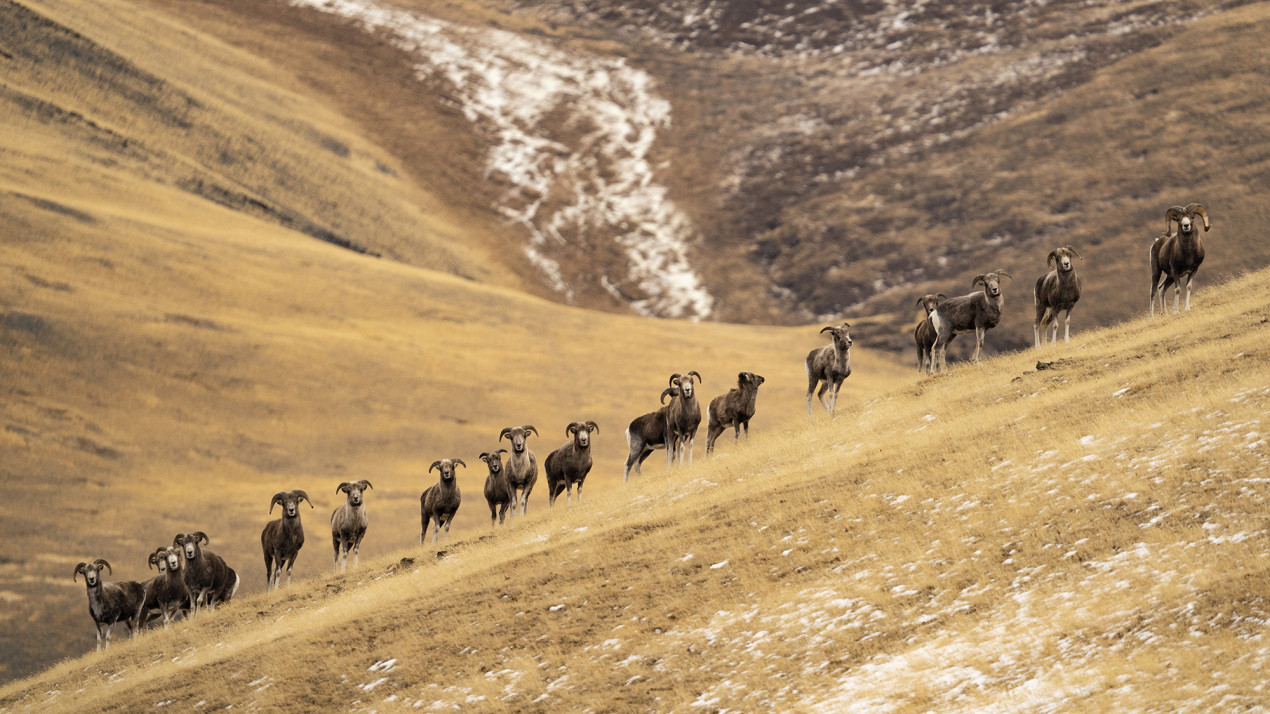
(1177,256)
(977,312)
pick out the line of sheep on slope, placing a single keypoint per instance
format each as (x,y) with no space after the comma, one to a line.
(191,578)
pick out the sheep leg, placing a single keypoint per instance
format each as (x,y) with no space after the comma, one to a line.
(357,546)
(820,394)
(1067,327)
(1190,278)
(979,332)
(579,493)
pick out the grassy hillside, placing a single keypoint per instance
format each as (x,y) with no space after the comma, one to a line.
(170,362)
(1088,536)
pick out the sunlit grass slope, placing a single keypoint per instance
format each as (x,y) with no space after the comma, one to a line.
(170,362)
(1090,536)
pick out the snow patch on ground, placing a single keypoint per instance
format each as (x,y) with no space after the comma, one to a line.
(522,93)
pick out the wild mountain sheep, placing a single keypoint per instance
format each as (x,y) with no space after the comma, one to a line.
(110,603)
(683,417)
(166,593)
(1056,291)
(281,539)
(646,433)
(498,490)
(924,332)
(440,501)
(521,466)
(349,523)
(209,579)
(569,465)
(1177,255)
(734,409)
(828,366)
(977,312)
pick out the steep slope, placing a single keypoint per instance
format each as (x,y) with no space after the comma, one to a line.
(172,357)
(1090,535)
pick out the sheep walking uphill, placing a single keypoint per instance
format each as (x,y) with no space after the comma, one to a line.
(281,539)
(1177,256)
(828,366)
(569,465)
(498,490)
(110,603)
(349,522)
(977,312)
(924,332)
(521,466)
(647,433)
(1056,291)
(441,500)
(683,417)
(166,593)
(734,409)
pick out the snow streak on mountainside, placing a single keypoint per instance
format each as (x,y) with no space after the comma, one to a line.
(571,136)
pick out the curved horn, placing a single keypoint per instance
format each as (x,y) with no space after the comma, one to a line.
(593,427)
(459,462)
(151,560)
(501,451)
(573,427)
(343,487)
(921,301)
(102,561)
(697,374)
(434,465)
(1199,210)
(366,484)
(823,330)
(176,541)
(668,390)
(505,433)
(1004,274)
(277,499)
(79,569)
(301,494)
(485,456)
(530,427)
(674,377)
(1052,259)
(1073,252)
(200,535)
(978,280)
(846,324)
(1171,215)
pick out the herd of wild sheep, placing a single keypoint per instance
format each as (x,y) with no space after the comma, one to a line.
(191,578)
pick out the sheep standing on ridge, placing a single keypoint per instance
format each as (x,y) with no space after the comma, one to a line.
(570,464)
(498,490)
(110,603)
(1177,256)
(828,366)
(683,417)
(924,332)
(209,579)
(349,523)
(734,409)
(440,501)
(281,539)
(521,466)
(977,312)
(167,592)
(646,433)
(1056,291)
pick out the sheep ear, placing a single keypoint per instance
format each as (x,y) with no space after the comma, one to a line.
(79,569)
(846,325)
(530,427)
(505,433)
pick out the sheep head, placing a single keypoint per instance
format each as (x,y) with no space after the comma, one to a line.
(841,335)
(1185,217)
(991,282)
(446,467)
(581,432)
(290,502)
(517,435)
(1061,259)
(354,490)
(930,302)
(494,460)
(686,383)
(92,572)
(749,379)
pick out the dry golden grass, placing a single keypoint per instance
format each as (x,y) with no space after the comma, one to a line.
(1088,535)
